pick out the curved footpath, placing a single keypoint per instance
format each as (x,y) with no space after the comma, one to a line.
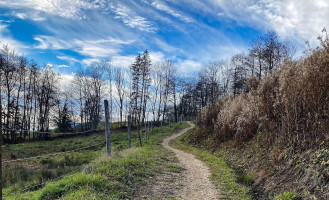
(196,182)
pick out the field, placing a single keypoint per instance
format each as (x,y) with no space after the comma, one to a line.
(78,173)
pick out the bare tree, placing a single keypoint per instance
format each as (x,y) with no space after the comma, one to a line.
(119,83)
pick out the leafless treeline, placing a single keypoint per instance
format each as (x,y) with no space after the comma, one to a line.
(221,78)
(34,100)
(27,94)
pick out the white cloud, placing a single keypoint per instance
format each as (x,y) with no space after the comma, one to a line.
(304,19)
(94,48)
(21,15)
(131,19)
(50,42)
(62,66)
(164,46)
(65,82)
(49,65)
(122,61)
(89,61)
(163,7)
(157,56)
(35,15)
(186,67)
(68,9)
(295,20)
(68,59)
(99,48)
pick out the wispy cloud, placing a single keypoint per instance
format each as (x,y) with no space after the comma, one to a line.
(163,7)
(123,61)
(50,42)
(89,61)
(94,48)
(73,9)
(35,16)
(99,48)
(295,20)
(131,19)
(188,67)
(68,59)
(164,46)
(62,66)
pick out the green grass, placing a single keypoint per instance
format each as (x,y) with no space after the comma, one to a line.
(20,175)
(221,174)
(287,196)
(115,177)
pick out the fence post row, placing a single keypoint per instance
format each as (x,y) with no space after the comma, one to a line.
(107,128)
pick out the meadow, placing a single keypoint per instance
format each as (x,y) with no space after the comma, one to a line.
(43,178)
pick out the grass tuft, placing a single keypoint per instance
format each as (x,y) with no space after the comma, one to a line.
(288,196)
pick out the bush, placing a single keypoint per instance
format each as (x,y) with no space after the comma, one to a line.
(238,119)
(289,107)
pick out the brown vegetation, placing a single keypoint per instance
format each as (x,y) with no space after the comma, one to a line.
(289,107)
(279,127)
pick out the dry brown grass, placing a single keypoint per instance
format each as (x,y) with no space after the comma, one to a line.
(289,108)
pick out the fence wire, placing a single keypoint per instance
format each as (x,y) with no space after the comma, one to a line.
(51,154)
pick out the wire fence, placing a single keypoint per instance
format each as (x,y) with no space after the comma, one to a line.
(51,154)
(18,131)
(34,187)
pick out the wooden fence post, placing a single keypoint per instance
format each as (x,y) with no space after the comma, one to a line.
(161,126)
(129,131)
(107,128)
(145,131)
(148,130)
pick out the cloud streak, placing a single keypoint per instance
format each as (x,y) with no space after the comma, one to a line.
(131,19)
(163,7)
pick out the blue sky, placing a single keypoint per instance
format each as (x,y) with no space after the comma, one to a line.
(70,34)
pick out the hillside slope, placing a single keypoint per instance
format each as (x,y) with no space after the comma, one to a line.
(278,130)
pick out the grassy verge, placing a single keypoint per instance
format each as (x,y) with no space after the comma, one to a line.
(18,176)
(115,177)
(221,174)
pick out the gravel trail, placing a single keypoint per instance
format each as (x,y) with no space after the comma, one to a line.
(195,181)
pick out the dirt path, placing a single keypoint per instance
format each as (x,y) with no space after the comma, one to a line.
(196,182)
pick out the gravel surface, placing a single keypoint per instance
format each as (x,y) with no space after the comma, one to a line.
(195,181)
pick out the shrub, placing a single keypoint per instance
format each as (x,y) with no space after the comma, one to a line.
(238,119)
(289,107)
